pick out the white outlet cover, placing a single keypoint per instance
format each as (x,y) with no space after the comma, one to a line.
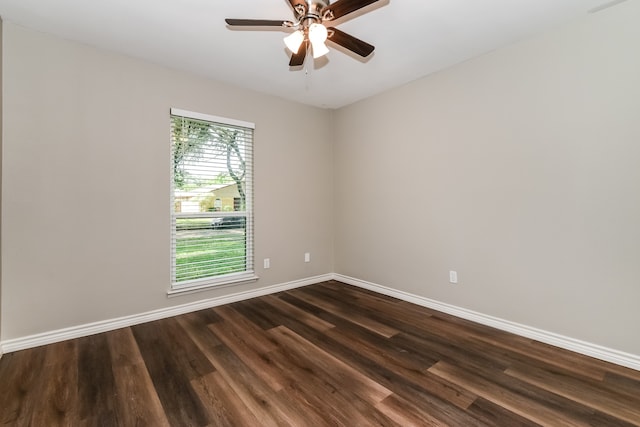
(453,277)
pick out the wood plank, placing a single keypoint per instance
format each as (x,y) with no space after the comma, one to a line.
(268,407)
(96,385)
(303,316)
(21,378)
(339,371)
(197,325)
(408,365)
(324,401)
(224,407)
(495,415)
(407,414)
(171,372)
(241,321)
(137,403)
(623,384)
(422,398)
(345,312)
(59,398)
(505,398)
(237,399)
(172,337)
(386,308)
(589,393)
(369,302)
(525,352)
(299,388)
(440,348)
(587,363)
(241,343)
(254,311)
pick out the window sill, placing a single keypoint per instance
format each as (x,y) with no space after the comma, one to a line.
(207,285)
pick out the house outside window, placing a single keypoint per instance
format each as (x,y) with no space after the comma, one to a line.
(211,201)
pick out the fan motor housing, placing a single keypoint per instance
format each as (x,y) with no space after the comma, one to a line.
(315,8)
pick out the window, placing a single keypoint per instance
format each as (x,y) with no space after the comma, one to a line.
(211,192)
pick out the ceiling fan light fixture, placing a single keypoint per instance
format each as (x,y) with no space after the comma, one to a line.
(294,40)
(312,26)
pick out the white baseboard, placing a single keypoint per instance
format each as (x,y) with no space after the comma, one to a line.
(136,319)
(593,350)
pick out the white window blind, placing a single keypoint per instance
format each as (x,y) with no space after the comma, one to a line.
(211,199)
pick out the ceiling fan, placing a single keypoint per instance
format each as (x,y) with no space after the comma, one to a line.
(312,20)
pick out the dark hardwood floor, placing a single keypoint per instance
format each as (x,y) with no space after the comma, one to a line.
(328,354)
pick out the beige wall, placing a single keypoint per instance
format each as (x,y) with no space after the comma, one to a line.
(520,170)
(1,102)
(81,124)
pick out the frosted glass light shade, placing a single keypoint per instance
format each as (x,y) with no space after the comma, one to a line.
(317,33)
(317,37)
(294,40)
(319,49)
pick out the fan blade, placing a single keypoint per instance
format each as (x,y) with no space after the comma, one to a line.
(258,23)
(295,3)
(345,7)
(347,41)
(297,59)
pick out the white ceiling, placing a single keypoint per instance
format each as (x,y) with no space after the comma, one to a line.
(413,38)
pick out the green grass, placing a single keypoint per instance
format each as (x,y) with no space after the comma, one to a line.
(193,223)
(202,252)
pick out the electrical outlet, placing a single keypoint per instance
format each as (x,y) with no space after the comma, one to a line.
(307,257)
(453,277)
(267,263)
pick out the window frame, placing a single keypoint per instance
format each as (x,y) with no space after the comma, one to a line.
(222,280)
